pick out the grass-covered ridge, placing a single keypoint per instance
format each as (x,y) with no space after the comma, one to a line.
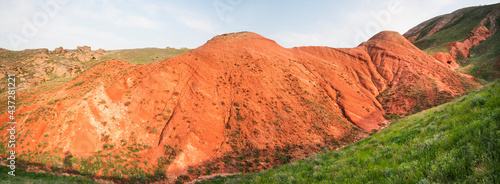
(454,32)
(145,55)
(457,142)
(484,60)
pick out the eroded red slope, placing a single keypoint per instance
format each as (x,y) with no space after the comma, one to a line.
(237,95)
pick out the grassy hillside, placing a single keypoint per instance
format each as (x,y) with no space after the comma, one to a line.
(31,177)
(458,142)
(455,32)
(485,60)
(145,55)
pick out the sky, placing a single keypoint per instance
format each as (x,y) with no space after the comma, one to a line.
(127,24)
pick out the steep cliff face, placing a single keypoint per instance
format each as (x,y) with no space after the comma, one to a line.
(239,98)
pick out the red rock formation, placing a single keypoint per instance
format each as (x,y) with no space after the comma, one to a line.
(413,38)
(417,80)
(237,95)
(446,59)
(474,38)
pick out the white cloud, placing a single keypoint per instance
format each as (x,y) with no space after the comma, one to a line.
(72,36)
(336,37)
(197,24)
(115,16)
(115,24)
(291,39)
(193,20)
(12,12)
(138,21)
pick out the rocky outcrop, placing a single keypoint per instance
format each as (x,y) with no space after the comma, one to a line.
(100,51)
(446,59)
(70,55)
(84,49)
(39,77)
(460,50)
(68,69)
(36,69)
(83,57)
(60,50)
(84,54)
(44,51)
(61,71)
(41,56)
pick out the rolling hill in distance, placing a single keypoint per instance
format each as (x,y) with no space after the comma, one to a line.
(469,35)
(241,103)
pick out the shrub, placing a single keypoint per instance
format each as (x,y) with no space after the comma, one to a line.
(478,101)
(68,165)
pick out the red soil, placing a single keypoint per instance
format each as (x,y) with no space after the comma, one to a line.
(446,59)
(474,38)
(238,92)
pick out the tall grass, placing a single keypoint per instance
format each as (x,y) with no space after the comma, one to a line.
(21,176)
(458,142)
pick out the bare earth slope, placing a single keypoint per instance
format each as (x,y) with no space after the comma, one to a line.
(240,101)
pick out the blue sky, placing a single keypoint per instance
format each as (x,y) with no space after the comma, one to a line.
(111,24)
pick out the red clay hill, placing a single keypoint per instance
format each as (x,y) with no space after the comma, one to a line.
(240,101)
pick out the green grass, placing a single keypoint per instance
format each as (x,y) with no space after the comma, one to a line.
(441,48)
(22,60)
(21,176)
(455,32)
(13,56)
(457,142)
(485,59)
(145,55)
